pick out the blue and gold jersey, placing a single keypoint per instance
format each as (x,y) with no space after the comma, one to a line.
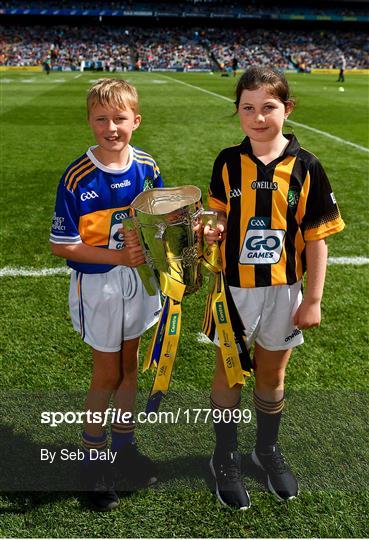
(92,200)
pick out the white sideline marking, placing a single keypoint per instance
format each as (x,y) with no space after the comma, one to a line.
(31,272)
(355,261)
(10,271)
(77,76)
(329,136)
(304,126)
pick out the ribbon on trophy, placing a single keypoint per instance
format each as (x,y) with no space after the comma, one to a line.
(222,313)
(164,344)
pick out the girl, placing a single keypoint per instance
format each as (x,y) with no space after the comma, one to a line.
(275,208)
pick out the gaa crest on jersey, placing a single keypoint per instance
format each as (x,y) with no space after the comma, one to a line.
(116,240)
(293,197)
(148,183)
(262,245)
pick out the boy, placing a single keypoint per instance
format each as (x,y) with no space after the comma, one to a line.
(109,306)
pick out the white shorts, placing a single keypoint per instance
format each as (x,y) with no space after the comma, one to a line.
(267,314)
(109,308)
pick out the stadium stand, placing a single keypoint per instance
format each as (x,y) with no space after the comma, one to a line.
(173,36)
(104,48)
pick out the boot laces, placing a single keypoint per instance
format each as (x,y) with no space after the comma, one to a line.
(230,468)
(278,462)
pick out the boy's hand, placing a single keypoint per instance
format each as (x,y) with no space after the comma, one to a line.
(130,256)
(308,314)
(130,237)
(132,253)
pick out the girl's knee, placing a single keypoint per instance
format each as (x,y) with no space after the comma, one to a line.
(271,378)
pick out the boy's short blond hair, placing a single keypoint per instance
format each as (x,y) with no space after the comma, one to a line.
(113,93)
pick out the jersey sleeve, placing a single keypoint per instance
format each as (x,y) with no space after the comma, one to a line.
(64,229)
(217,197)
(322,216)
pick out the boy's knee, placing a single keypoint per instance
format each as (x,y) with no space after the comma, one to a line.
(107,381)
(130,367)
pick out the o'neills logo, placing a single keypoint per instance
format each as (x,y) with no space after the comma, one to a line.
(264,185)
(117,185)
(173,324)
(295,333)
(220,311)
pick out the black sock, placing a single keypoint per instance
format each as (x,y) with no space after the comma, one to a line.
(268,419)
(225,427)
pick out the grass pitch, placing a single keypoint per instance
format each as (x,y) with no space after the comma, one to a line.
(324,432)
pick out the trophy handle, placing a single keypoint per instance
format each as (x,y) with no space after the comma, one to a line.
(209,217)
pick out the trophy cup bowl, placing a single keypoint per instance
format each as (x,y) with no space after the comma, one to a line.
(164,218)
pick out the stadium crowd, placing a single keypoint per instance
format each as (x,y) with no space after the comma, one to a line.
(283,49)
(65,47)
(116,48)
(171,49)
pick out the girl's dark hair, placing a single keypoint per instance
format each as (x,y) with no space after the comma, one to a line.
(257,76)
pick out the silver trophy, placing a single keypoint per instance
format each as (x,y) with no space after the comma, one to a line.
(164,218)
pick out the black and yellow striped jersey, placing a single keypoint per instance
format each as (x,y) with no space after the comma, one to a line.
(272,211)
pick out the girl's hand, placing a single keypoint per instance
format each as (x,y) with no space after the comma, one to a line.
(308,314)
(211,234)
(214,235)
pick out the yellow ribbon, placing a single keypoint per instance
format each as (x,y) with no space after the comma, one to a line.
(174,290)
(172,287)
(169,349)
(217,297)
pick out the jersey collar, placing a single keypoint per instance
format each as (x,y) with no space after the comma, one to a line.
(104,168)
(291,149)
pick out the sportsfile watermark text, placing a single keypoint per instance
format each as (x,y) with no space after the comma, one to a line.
(113,415)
